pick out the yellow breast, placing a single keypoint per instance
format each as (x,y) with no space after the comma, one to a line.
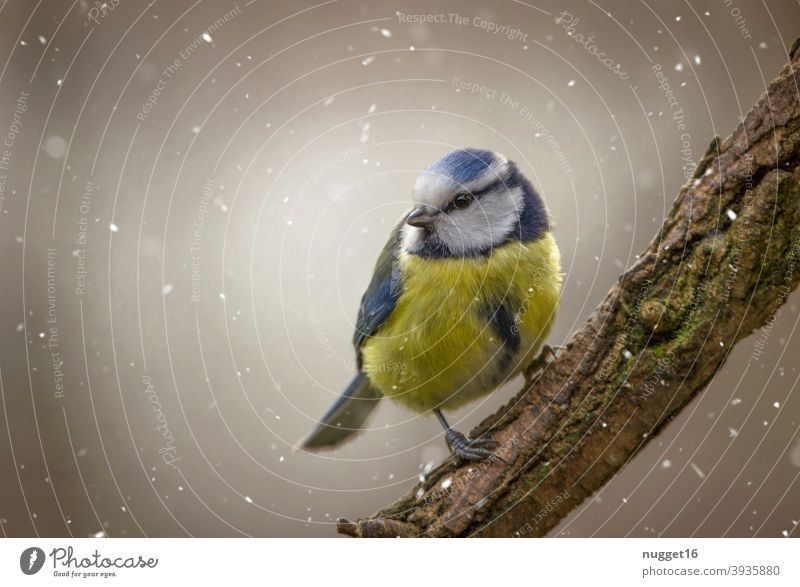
(438,349)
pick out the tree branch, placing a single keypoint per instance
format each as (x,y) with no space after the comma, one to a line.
(725,260)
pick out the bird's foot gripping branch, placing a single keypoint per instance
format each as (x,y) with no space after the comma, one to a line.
(724,261)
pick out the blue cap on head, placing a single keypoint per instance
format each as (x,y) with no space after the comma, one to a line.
(463,165)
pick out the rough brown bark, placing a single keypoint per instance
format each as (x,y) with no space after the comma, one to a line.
(706,281)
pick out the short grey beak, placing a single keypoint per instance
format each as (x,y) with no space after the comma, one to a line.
(422,217)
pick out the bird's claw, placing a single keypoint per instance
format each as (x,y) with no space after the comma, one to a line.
(471,450)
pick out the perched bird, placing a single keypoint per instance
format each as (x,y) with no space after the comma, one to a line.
(461,299)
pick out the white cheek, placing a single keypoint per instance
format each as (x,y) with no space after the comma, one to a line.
(484,224)
(411,238)
(466,231)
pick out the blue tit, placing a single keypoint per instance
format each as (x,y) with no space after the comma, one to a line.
(461,300)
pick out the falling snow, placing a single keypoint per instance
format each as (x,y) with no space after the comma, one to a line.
(698,471)
(55,147)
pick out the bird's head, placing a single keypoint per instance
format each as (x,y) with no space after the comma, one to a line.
(469,202)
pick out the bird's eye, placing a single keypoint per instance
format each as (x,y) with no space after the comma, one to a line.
(462,200)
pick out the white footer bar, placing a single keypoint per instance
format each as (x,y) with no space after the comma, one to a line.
(348,562)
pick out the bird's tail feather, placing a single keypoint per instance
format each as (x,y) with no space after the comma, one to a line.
(346,417)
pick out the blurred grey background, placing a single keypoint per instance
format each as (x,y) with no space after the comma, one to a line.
(193,194)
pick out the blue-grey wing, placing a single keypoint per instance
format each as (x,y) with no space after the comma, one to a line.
(349,414)
(382,292)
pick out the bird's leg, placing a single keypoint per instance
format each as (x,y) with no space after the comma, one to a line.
(547,355)
(463,447)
